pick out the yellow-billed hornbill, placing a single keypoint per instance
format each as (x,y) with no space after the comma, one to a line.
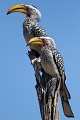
(30,26)
(52,63)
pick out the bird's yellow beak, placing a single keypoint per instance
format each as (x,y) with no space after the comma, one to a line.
(35,40)
(17,8)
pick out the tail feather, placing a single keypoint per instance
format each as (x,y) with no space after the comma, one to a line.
(65,95)
(66,92)
(66,107)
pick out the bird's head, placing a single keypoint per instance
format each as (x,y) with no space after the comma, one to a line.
(29,10)
(43,41)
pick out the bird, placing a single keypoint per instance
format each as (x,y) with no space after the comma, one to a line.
(53,64)
(30,26)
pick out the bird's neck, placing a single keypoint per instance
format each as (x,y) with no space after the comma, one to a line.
(29,20)
(49,47)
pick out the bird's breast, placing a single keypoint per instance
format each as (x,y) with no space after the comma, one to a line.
(47,63)
(27,33)
(27,36)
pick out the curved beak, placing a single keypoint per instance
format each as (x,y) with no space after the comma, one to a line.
(35,40)
(17,8)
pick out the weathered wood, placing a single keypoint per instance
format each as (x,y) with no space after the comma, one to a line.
(47,90)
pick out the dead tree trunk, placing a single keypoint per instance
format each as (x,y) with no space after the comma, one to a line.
(47,90)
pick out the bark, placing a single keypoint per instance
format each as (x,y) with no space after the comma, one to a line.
(47,89)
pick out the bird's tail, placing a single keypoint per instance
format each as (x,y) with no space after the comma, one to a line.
(65,95)
(66,92)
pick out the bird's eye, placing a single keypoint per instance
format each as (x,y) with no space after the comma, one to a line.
(28,8)
(44,40)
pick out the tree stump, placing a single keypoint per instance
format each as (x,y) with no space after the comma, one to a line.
(47,90)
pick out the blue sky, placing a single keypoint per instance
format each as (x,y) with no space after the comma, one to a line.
(61,20)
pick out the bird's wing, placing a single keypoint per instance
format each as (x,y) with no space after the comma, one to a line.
(59,63)
(64,93)
(38,31)
(60,66)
